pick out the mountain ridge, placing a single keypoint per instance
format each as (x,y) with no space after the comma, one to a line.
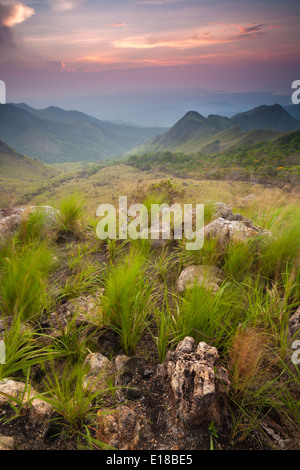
(66,136)
(193,132)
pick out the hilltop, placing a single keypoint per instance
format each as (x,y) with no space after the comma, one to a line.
(195,133)
(53,135)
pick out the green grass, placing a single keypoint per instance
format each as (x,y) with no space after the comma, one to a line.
(71,211)
(74,405)
(127,301)
(23,273)
(23,350)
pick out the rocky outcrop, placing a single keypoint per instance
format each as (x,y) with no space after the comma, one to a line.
(228,227)
(235,231)
(208,277)
(197,383)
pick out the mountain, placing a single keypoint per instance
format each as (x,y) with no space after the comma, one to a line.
(53,135)
(273,117)
(195,133)
(293,110)
(15,165)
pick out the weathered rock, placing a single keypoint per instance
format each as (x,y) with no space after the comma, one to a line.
(121,361)
(39,410)
(222,210)
(14,389)
(119,428)
(6,443)
(235,231)
(209,277)
(197,383)
(100,371)
(11,218)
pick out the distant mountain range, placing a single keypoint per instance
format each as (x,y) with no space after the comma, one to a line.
(195,133)
(53,135)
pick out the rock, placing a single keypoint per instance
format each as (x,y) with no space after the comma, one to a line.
(121,361)
(6,443)
(294,325)
(39,410)
(225,231)
(119,428)
(197,383)
(14,389)
(209,277)
(100,371)
(11,219)
(85,310)
(222,210)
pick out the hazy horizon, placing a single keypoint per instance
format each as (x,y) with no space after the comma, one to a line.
(149,61)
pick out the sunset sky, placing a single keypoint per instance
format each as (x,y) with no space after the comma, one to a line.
(100,56)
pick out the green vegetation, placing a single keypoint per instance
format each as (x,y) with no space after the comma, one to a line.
(62,290)
(127,301)
(277,160)
(54,135)
(71,209)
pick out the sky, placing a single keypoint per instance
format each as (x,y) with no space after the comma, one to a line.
(149,61)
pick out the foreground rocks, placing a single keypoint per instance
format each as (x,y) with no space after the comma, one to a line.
(197,383)
(119,428)
(11,219)
(15,392)
(208,277)
(100,371)
(228,227)
(6,443)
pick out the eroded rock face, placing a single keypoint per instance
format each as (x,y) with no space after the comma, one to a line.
(119,428)
(209,277)
(197,382)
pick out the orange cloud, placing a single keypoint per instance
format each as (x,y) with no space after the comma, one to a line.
(116,25)
(101,60)
(12,14)
(196,40)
